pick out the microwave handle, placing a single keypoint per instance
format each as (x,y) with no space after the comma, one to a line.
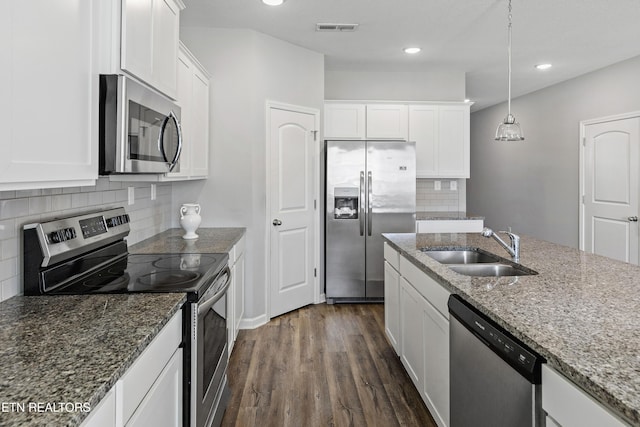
(174,161)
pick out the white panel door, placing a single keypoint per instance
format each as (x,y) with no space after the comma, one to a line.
(292,196)
(611,166)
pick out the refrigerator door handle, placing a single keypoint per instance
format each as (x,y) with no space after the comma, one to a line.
(369,203)
(361,203)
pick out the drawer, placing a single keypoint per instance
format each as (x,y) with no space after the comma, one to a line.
(431,290)
(391,256)
(571,407)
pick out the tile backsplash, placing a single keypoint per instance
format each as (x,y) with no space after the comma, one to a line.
(428,199)
(17,208)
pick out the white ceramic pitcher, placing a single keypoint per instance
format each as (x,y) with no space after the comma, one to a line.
(190,219)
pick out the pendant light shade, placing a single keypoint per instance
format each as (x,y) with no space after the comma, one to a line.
(509,129)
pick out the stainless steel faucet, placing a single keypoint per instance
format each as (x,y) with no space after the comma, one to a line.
(513,248)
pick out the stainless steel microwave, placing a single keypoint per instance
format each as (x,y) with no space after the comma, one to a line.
(139,128)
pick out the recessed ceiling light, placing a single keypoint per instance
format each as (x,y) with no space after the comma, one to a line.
(273,2)
(412,50)
(543,66)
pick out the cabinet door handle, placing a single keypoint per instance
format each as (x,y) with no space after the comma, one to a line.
(277,222)
(633,219)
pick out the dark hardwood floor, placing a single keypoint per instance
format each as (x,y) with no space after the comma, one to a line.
(322,365)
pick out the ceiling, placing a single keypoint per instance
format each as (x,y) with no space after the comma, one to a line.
(576,36)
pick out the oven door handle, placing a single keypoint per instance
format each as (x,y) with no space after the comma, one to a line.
(208,302)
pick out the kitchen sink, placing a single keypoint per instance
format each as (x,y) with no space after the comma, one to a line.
(460,256)
(474,263)
(488,270)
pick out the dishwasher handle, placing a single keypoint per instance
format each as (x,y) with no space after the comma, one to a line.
(510,349)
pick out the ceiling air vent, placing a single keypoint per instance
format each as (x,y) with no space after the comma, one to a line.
(336,27)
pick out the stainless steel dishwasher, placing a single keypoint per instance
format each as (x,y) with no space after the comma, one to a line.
(495,378)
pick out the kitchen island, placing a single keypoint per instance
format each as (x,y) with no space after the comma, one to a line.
(580,312)
(60,355)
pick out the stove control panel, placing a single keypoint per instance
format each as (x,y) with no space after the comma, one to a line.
(62,235)
(115,221)
(60,239)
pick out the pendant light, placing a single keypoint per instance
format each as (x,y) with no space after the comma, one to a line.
(509,129)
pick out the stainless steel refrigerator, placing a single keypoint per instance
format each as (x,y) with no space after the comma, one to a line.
(370,190)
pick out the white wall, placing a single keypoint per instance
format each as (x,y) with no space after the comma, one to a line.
(533,186)
(433,85)
(248,68)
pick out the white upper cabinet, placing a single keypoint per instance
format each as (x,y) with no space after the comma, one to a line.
(387,121)
(440,130)
(365,121)
(193,99)
(140,37)
(49,92)
(344,121)
(441,134)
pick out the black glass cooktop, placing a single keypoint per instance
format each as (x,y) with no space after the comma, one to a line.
(190,273)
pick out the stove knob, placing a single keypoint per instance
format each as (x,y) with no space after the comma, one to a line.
(56,236)
(69,234)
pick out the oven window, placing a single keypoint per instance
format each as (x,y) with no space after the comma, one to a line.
(215,339)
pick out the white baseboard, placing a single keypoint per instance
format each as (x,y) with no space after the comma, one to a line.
(253,322)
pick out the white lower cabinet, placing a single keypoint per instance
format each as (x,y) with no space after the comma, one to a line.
(149,393)
(392,305)
(412,352)
(163,403)
(436,363)
(104,414)
(566,405)
(423,341)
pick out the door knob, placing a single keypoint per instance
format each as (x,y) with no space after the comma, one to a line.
(633,219)
(277,222)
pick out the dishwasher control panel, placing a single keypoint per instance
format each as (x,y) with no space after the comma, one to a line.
(509,348)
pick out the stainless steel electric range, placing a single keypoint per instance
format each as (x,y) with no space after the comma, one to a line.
(87,254)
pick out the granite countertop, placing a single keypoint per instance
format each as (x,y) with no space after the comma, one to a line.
(61,350)
(445,216)
(581,312)
(210,241)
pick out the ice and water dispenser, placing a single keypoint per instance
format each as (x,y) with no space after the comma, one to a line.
(345,203)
